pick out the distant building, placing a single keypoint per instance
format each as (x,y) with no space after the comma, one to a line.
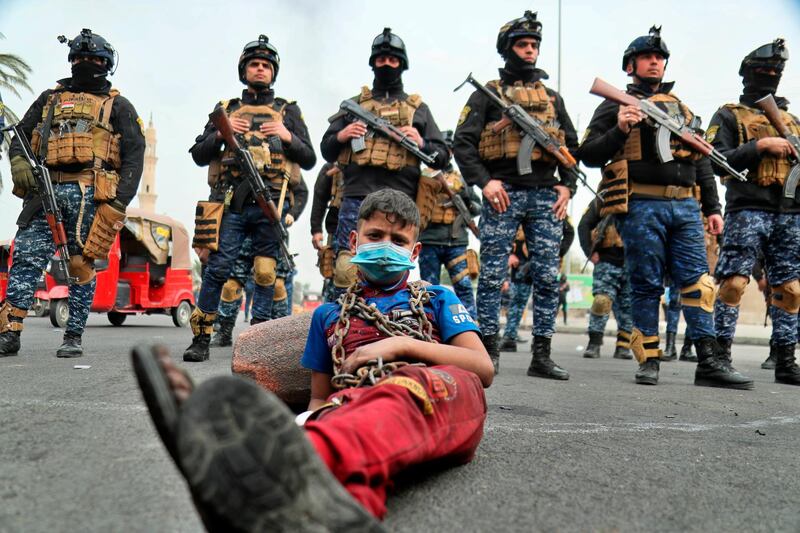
(147,187)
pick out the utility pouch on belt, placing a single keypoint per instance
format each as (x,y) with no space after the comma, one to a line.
(207,221)
(105,185)
(473,264)
(214,172)
(326,257)
(105,226)
(427,191)
(614,188)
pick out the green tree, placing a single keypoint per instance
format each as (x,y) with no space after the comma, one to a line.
(13,77)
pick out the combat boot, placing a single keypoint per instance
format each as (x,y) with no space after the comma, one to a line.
(9,343)
(714,367)
(71,347)
(11,327)
(648,372)
(224,335)
(686,351)
(202,326)
(508,345)
(541,365)
(771,361)
(593,348)
(620,352)
(490,342)
(786,369)
(724,345)
(670,353)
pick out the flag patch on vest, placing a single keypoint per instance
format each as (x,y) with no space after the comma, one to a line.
(67,105)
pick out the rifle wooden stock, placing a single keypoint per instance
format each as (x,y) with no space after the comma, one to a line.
(773,114)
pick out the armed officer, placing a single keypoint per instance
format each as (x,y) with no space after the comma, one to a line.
(444,241)
(657,215)
(384,164)
(537,200)
(759,219)
(276,136)
(94,146)
(328,190)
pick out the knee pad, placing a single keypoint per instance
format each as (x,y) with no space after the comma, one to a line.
(82,269)
(786,296)
(601,305)
(202,323)
(231,291)
(700,294)
(644,347)
(731,289)
(280,290)
(623,339)
(344,272)
(11,317)
(264,270)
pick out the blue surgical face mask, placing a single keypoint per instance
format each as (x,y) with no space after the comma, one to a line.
(382,262)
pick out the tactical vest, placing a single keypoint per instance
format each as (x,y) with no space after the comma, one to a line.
(670,104)
(611,239)
(752,124)
(337,186)
(272,165)
(380,151)
(533,98)
(81,133)
(444,212)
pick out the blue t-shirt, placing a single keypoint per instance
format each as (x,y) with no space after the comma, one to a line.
(445,311)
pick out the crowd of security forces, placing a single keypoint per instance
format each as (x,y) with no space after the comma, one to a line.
(655,223)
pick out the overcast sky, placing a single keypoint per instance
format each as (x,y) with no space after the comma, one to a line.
(177,59)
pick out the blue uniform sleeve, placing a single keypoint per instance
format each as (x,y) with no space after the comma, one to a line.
(451,315)
(317,355)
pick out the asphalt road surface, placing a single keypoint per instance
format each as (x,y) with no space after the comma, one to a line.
(595,453)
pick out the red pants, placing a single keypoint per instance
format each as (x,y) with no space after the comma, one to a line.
(414,416)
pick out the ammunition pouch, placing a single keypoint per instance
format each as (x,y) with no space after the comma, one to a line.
(644,347)
(344,272)
(427,191)
(11,317)
(207,222)
(264,270)
(214,172)
(700,294)
(326,257)
(473,264)
(732,289)
(202,323)
(105,185)
(231,291)
(786,296)
(105,226)
(82,269)
(614,188)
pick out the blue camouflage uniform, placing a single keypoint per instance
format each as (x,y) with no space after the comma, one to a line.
(673,307)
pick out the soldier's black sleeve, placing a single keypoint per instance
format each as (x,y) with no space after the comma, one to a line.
(568,178)
(723,134)
(589,221)
(300,199)
(206,146)
(431,135)
(330,147)
(466,140)
(603,138)
(29,121)
(125,121)
(567,239)
(709,198)
(322,195)
(299,150)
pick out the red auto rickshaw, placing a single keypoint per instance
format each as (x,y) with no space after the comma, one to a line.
(5,266)
(148,270)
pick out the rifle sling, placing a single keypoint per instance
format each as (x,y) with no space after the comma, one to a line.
(48,123)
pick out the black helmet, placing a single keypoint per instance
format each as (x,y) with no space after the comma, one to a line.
(389,44)
(89,44)
(772,55)
(448,138)
(263,49)
(525,26)
(646,43)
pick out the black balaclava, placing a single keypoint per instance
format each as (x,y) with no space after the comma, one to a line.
(759,84)
(89,76)
(389,79)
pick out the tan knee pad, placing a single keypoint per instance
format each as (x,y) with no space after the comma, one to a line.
(732,289)
(7,312)
(644,347)
(786,296)
(601,305)
(202,323)
(344,272)
(623,339)
(280,290)
(82,269)
(700,294)
(231,291)
(264,270)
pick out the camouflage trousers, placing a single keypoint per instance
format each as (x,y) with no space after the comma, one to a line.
(612,281)
(348,220)
(520,294)
(533,209)
(747,235)
(663,236)
(431,260)
(33,247)
(673,307)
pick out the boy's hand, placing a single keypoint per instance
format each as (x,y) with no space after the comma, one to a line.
(389,349)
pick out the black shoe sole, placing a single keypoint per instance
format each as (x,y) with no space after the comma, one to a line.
(192,358)
(646,381)
(536,374)
(251,467)
(704,382)
(67,355)
(157,395)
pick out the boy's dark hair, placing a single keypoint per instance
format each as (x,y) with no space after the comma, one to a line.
(397,206)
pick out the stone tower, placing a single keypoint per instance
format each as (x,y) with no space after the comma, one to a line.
(147,188)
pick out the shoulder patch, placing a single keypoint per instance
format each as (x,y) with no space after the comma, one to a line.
(140,122)
(585,135)
(712,133)
(464,114)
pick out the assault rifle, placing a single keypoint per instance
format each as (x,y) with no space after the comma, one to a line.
(380,126)
(59,264)
(459,204)
(773,114)
(244,160)
(601,228)
(533,133)
(666,126)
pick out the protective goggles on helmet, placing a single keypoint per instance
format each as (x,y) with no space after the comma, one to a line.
(261,44)
(774,50)
(525,26)
(386,41)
